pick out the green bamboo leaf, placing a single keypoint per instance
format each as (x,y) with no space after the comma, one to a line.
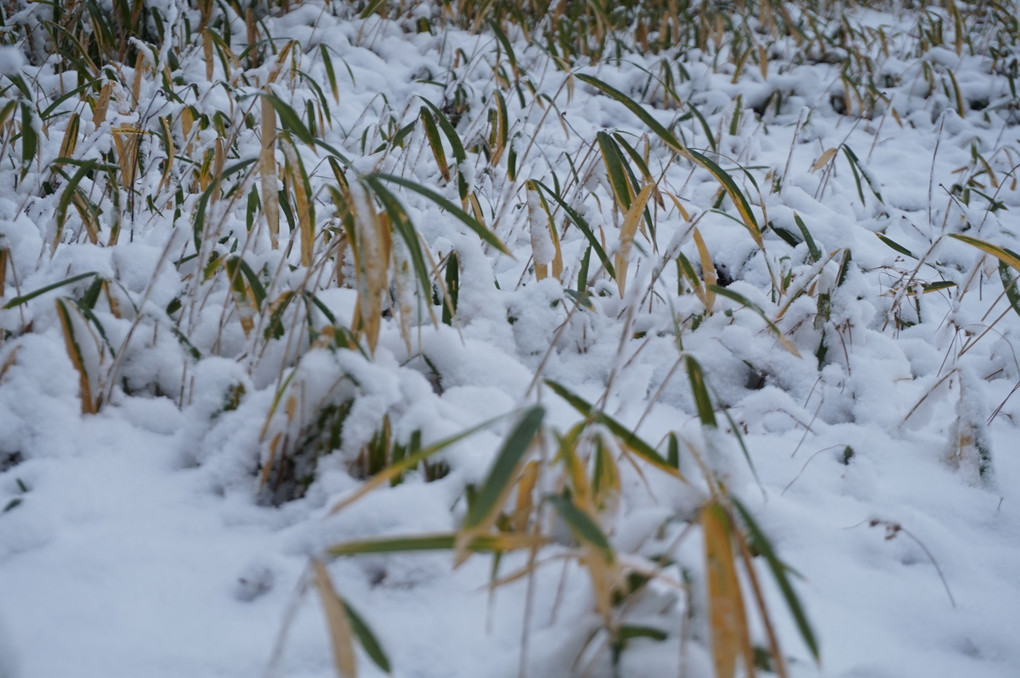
(581,224)
(29,139)
(448,129)
(364,634)
(452,288)
(946,284)
(371,8)
(444,541)
(504,42)
(490,497)
(432,134)
(404,544)
(19,82)
(732,190)
(613,160)
(274,325)
(762,545)
(289,120)
(1009,285)
(70,189)
(469,221)
(747,303)
(402,223)
(455,144)
(327,62)
(627,437)
(637,110)
(584,528)
(816,254)
(704,126)
(18,301)
(701,400)
(858,172)
(844,267)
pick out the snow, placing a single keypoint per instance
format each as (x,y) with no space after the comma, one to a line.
(140,541)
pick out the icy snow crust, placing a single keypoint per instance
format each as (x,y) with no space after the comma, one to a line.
(137,541)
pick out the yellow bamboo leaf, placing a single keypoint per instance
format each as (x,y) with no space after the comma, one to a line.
(267,468)
(207,54)
(102,104)
(267,167)
(730,638)
(679,208)
(280,59)
(627,232)
(707,270)
(824,159)
(525,489)
(74,352)
(340,635)
(136,86)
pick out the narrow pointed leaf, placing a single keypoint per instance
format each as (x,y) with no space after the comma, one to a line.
(779,570)
(494,490)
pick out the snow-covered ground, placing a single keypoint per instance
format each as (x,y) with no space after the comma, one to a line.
(167,398)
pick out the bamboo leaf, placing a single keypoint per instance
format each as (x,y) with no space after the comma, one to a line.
(432,134)
(396,469)
(29,139)
(731,188)
(491,496)
(18,301)
(582,525)
(445,541)
(747,303)
(636,109)
(627,232)
(730,637)
(763,546)
(1004,255)
(581,224)
(625,436)
(289,119)
(816,254)
(399,220)
(824,159)
(707,269)
(74,352)
(469,221)
(1009,285)
(338,622)
(365,636)
(701,399)
(623,190)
